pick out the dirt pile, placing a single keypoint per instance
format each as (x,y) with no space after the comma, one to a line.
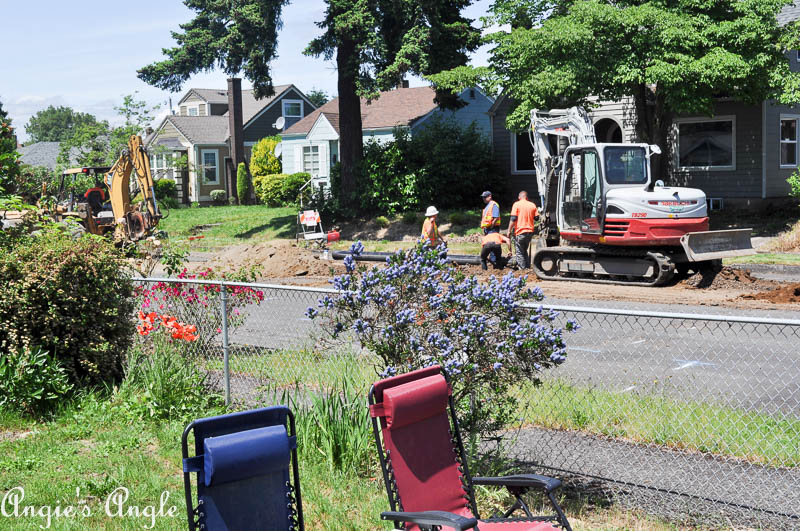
(277,259)
(727,278)
(780,295)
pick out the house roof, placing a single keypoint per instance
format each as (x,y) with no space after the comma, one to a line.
(789,13)
(393,107)
(251,106)
(201,129)
(44,154)
(208,95)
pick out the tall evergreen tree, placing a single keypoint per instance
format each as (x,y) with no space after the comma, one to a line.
(374,43)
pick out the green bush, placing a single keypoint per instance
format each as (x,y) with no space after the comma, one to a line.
(458,218)
(165,188)
(794,184)
(70,297)
(263,160)
(242,183)
(409,217)
(31,381)
(382,221)
(278,190)
(429,168)
(218,196)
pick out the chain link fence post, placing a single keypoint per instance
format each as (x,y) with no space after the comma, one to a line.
(226,370)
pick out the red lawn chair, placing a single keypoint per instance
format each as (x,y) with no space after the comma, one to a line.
(425,466)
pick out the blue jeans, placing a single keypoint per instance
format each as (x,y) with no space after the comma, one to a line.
(522,243)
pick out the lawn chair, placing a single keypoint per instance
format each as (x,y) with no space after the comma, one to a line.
(425,467)
(242,466)
(310,224)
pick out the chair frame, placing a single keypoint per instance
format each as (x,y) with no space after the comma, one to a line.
(193,511)
(517,485)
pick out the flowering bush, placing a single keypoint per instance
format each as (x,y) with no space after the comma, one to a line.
(199,303)
(419,310)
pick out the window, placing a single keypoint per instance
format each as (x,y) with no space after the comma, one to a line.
(311,160)
(192,111)
(788,142)
(625,165)
(706,144)
(292,109)
(210,166)
(522,154)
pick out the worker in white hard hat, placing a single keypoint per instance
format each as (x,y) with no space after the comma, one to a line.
(430,230)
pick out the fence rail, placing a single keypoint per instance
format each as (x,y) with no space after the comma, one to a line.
(682,414)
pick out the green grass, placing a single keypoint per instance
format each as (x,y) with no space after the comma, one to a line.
(766,258)
(230,225)
(652,418)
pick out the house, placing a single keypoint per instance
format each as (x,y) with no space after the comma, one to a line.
(740,156)
(45,154)
(312,144)
(200,133)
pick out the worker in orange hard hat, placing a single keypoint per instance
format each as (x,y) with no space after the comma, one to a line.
(492,250)
(490,219)
(430,230)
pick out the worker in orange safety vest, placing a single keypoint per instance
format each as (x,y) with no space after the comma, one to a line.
(430,231)
(490,220)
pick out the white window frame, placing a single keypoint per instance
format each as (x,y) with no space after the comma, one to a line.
(514,169)
(203,166)
(677,130)
(311,149)
(796,142)
(283,109)
(195,109)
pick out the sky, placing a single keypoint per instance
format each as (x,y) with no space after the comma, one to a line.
(84,54)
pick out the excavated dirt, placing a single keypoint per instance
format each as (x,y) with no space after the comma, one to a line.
(727,278)
(780,295)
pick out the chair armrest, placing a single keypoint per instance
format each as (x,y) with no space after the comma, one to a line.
(520,480)
(441,518)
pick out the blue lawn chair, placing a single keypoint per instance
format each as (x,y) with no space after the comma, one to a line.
(241,461)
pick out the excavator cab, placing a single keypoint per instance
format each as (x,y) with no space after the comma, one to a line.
(582,192)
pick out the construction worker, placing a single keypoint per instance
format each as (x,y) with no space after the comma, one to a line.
(490,220)
(521,228)
(430,230)
(492,244)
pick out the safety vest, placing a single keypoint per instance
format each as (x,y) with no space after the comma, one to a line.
(494,238)
(430,232)
(488,221)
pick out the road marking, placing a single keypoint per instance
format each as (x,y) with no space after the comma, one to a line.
(631,388)
(637,342)
(585,349)
(305,319)
(685,364)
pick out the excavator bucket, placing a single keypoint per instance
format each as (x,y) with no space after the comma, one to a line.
(717,244)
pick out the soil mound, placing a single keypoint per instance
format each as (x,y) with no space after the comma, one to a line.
(277,259)
(727,278)
(781,295)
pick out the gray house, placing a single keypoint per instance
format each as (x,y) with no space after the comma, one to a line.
(742,155)
(200,132)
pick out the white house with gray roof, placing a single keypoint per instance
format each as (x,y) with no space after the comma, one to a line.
(199,130)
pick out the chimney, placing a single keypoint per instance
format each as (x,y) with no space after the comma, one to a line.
(403,83)
(237,132)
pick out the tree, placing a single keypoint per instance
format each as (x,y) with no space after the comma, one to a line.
(242,184)
(56,124)
(374,42)
(318,97)
(3,113)
(9,157)
(263,160)
(669,57)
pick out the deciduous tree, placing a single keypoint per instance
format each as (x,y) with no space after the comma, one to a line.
(318,97)
(669,57)
(56,124)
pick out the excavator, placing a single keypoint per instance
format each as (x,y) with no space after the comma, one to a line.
(128,222)
(605,220)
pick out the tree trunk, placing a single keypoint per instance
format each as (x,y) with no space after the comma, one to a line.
(350,133)
(653,124)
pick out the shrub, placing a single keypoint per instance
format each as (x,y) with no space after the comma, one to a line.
(31,381)
(420,310)
(409,217)
(458,218)
(218,196)
(279,190)
(242,183)
(165,188)
(263,160)
(70,297)
(794,184)
(382,221)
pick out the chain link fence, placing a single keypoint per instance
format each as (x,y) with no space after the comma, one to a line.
(691,417)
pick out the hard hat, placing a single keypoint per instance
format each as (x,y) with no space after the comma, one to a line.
(431,211)
(486,194)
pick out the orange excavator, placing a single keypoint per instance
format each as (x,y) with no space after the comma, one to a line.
(102,214)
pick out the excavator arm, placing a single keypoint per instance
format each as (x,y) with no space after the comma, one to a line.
(133,223)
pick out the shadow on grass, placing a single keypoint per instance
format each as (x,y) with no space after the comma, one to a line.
(284,227)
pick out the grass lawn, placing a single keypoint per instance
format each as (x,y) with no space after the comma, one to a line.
(766,258)
(93,448)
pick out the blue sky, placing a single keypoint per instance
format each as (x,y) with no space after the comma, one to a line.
(84,54)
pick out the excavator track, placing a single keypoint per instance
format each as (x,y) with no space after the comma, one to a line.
(579,264)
